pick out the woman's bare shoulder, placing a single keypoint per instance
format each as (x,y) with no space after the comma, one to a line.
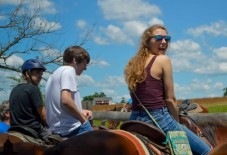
(163,58)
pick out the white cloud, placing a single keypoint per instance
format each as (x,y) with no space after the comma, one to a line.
(223,67)
(218,28)
(100,63)
(125,10)
(45,6)
(129,20)
(112,82)
(221,53)
(2,17)
(197,88)
(185,54)
(185,46)
(134,28)
(219,85)
(109,92)
(156,20)
(41,23)
(211,65)
(126,33)
(10,2)
(116,34)
(50,52)
(198,85)
(100,40)
(85,80)
(81,24)
(14,61)
(113,34)
(6,83)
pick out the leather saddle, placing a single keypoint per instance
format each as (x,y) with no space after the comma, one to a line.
(52,139)
(153,133)
(149,134)
(186,120)
(25,130)
(186,106)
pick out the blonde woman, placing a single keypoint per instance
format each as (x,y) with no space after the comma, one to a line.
(149,75)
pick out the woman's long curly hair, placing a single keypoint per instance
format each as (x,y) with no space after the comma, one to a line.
(135,69)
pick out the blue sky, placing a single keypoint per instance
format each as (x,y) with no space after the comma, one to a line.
(198,47)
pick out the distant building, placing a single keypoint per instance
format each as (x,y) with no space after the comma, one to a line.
(102,101)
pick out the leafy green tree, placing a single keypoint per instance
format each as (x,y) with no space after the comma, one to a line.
(91,97)
(123,100)
(225,92)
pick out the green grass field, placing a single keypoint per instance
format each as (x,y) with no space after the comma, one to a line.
(217,108)
(214,105)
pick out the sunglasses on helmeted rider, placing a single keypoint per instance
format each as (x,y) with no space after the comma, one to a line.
(160,37)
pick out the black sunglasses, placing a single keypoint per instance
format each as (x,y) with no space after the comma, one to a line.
(160,37)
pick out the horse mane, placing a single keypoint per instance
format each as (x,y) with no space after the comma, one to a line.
(221,141)
(213,131)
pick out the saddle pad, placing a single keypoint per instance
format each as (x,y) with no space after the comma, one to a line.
(26,138)
(153,133)
(141,148)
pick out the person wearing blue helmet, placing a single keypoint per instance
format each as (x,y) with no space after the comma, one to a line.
(25,102)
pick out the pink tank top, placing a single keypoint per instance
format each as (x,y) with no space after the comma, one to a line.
(150,92)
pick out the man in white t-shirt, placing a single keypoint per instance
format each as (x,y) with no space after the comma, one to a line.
(65,115)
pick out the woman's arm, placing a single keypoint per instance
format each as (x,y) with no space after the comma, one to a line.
(169,87)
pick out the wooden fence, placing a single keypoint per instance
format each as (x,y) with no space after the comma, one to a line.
(198,117)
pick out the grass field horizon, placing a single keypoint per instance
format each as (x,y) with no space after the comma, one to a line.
(213,104)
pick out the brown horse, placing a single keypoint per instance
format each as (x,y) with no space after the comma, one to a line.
(216,133)
(213,132)
(139,139)
(100,142)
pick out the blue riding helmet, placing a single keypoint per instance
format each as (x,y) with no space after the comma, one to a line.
(31,64)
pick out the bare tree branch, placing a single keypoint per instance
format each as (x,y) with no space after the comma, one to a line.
(25,32)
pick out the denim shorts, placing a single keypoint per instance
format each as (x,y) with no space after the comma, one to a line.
(81,129)
(168,123)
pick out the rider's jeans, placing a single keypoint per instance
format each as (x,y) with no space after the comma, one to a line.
(82,129)
(167,123)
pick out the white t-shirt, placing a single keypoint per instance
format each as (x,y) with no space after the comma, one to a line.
(58,117)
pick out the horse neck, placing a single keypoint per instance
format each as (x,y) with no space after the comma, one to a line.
(221,135)
(221,138)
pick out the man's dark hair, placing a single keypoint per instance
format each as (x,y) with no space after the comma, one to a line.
(77,52)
